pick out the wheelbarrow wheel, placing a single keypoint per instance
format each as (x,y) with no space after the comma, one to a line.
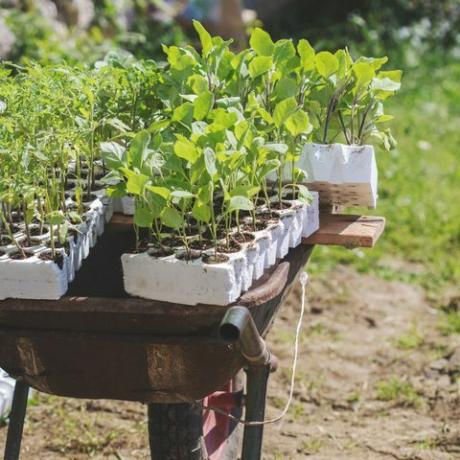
(176,432)
(186,432)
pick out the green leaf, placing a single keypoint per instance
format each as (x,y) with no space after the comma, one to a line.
(307,55)
(56,218)
(205,37)
(210,161)
(139,149)
(385,84)
(143,216)
(113,154)
(261,42)
(284,51)
(202,105)
(201,211)
(198,83)
(364,73)
(286,87)
(259,66)
(171,217)
(182,194)
(283,111)
(136,182)
(240,203)
(183,113)
(298,123)
(326,64)
(161,191)
(186,149)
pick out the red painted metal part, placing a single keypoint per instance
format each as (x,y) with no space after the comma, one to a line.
(216,427)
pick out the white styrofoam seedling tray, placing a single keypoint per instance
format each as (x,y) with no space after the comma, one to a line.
(34,278)
(191,282)
(343,174)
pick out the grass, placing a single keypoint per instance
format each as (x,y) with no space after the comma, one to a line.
(411,340)
(450,323)
(398,391)
(419,186)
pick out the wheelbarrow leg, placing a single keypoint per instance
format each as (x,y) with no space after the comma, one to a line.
(256,394)
(17,416)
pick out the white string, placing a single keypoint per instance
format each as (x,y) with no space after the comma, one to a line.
(303,281)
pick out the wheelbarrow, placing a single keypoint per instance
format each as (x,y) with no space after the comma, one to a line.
(99,343)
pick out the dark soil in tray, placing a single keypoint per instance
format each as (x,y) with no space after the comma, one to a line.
(188,256)
(20,256)
(5,240)
(37,231)
(202,245)
(160,251)
(214,259)
(232,247)
(48,256)
(243,237)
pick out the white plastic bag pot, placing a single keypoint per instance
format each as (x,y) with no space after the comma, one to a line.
(175,280)
(342,174)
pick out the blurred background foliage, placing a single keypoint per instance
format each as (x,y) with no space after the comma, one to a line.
(419,181)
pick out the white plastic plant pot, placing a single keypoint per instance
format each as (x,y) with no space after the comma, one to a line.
(7,385)
(33,278)
(343,174)
(173,279)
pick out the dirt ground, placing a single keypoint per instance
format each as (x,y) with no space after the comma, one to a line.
(376,380)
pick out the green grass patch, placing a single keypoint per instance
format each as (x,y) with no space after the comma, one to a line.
(398,391)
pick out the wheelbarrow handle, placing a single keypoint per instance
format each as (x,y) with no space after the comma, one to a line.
(238,327)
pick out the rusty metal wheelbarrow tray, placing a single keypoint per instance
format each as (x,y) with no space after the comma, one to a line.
(97,342)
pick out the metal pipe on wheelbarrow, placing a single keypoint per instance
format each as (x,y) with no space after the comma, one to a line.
(238,326)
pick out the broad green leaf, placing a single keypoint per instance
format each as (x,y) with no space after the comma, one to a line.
(284,51)
(202,105)
(224,118)
(136,182)
(364,73)
(261,42)
(171,217)
(240,203)
(198,83)
(307,55)
(384,118)
(210,161)
(326,64)
(385,84)
(298,123)
(161,191)
(278,148)
(56,218)
(205,37)
(182,194)
(186,149)
(183,113)
(143,216)
(286,87)
(260,65)
(283,111)
(394,75)
(245,190)
(375,63)
(201,211)
(113,154)
(139,149)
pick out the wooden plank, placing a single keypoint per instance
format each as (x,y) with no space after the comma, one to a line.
(335,229)
(347,230)
(121,219)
